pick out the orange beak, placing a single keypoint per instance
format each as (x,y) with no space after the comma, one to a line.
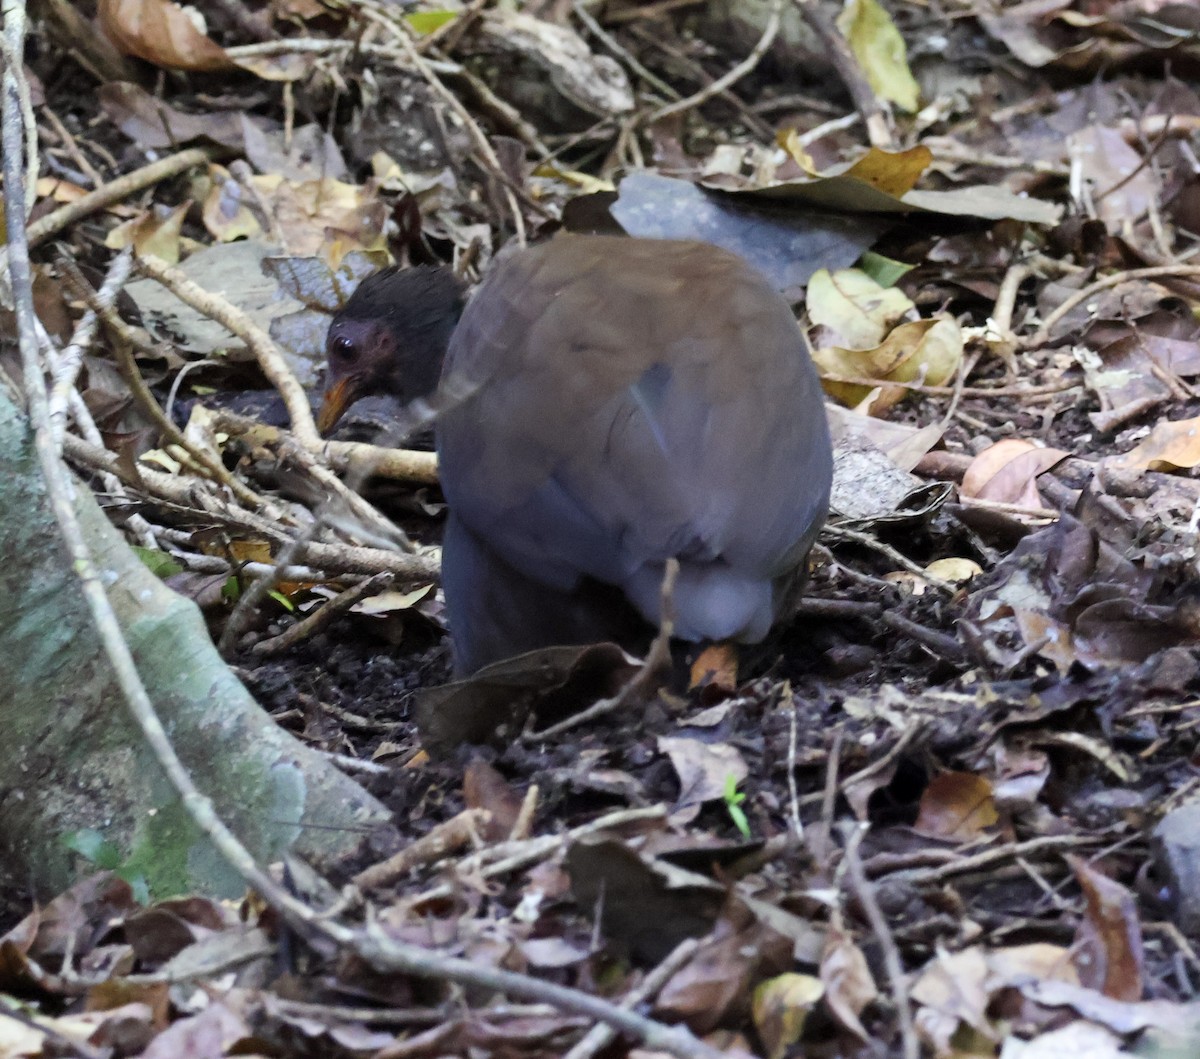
(338,398)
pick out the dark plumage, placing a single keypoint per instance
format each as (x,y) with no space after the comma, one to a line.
(632,400)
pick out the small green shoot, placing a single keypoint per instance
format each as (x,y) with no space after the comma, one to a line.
(733,805)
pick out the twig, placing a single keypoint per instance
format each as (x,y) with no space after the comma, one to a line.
(333,558)
(985,392)
(1006,301)
(1146,159)
(867,541)
(249,600)
(620,51)
(649,11)
(49,1031)
(345,457)
(943,646)
(892,963)
(121,188)
(100,305)
(1043,333)
(820,843)
(25,102)
(907,736)
(443,841)
(770,30)
(400,33)
(839,609)
(321,617)
(848,70)
(793,793)
(599,1037)
(70,360)
(72,148)
(642,684)
(261,345)
(512,856)
(523,824)
(986,860)
(1008,509)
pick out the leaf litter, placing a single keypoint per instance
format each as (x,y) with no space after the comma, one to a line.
(968,768)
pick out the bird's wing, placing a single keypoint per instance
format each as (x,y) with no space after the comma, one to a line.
(623,418)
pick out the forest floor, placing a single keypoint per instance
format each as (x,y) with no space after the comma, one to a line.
(951,808)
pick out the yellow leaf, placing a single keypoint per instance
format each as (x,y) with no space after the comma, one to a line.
(954,570)
(855,310)
(780,1008)
(925,351)
(880,51)
(892,172)
(427,21)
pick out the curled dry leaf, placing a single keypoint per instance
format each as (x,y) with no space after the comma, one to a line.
(1007,472)
(862,330)
(156,232)
(161,32)
(891,173)
(1170,446)
(957,806)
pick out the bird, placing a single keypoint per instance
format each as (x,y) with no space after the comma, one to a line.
(625,401)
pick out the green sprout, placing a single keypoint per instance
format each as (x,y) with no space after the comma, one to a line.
(733,805)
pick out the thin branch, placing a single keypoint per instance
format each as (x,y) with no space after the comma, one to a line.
(897,979)
(261,345)
(746,66)
(1043,333)
(846,65)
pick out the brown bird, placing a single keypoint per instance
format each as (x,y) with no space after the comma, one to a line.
(629,401)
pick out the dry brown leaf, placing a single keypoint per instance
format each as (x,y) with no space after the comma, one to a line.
(1109,955)
(156,232)
(309,216)
(1007,472)
(485,788)
(957,806)
(704,769)
(161,32)
(1170,446)
(1123,184)
(955,569)
(954,985)
(849,986)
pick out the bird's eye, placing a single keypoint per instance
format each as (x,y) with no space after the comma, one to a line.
(342,348)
